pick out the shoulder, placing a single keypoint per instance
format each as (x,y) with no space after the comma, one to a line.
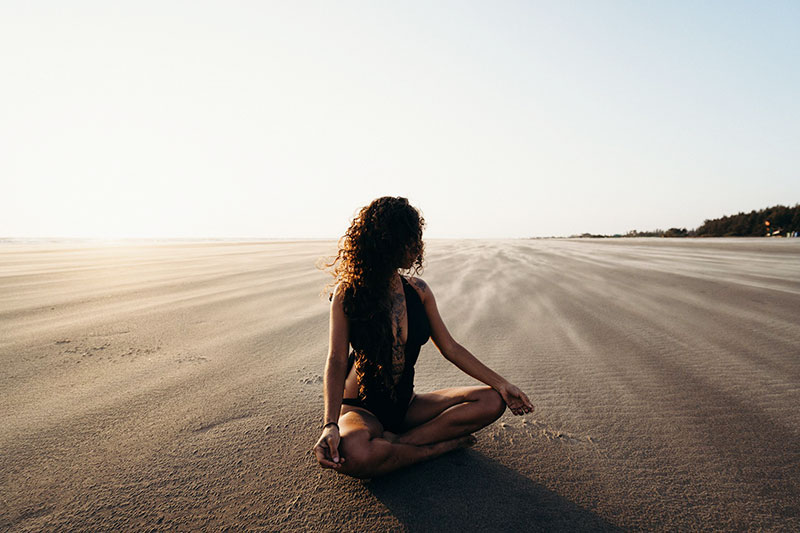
(419,285)
(337,296)
(338,311)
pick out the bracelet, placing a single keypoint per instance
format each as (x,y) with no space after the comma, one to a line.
(329,423)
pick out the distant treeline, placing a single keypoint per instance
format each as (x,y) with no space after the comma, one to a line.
(778,220)
(772,221)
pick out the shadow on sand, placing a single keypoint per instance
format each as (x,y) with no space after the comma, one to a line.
(467,491)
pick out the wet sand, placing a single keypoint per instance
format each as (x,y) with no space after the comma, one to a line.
(179,387)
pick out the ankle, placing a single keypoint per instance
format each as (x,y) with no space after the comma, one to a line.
(405,439)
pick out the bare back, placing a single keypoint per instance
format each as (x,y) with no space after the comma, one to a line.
(399,320)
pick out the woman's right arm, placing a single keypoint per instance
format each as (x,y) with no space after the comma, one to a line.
(327,447)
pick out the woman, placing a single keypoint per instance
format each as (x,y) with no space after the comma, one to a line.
(374,423)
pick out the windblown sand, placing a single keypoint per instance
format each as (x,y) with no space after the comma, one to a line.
(179,387)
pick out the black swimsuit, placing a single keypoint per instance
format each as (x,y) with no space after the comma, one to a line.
(391,415)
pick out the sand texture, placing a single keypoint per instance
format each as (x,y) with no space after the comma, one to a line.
(179,387)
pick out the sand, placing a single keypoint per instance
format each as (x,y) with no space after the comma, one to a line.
(179,387)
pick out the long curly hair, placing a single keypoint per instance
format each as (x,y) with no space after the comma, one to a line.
(384,236)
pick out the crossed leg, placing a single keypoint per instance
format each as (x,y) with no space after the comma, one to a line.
(435,423)
(450,413)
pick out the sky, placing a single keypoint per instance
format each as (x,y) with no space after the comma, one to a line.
(199,119)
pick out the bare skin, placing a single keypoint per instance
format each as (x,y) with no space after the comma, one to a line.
(435,423)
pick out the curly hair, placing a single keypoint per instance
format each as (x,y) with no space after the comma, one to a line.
(380,240)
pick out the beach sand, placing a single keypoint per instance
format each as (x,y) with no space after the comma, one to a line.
(179,387)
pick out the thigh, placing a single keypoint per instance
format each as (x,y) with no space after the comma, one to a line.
(353,419)
(427,406)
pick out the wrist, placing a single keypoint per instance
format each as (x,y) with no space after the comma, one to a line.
(329,424)
(499,384)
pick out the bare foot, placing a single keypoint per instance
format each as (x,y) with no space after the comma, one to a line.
(453,444)
(456,442)
(467,440)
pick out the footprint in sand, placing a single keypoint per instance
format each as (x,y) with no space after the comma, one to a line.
(205,428)
(106,351)
(535,428)
(109,333)
(189,358)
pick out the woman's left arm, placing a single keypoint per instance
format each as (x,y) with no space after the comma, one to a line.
(516,400)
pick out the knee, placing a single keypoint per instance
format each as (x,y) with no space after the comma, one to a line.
(354,447)
(494,405)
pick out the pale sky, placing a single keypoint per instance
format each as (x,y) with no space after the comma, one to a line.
(496,119)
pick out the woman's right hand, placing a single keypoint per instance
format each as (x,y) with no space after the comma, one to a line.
(327,448)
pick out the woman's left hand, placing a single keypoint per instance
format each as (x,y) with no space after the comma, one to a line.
(516,400)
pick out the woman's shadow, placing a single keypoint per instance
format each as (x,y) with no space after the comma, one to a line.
(467,491)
